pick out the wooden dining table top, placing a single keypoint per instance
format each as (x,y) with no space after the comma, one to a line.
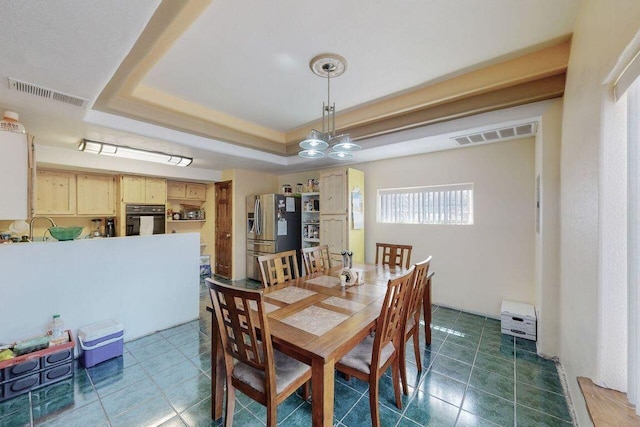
(315,317)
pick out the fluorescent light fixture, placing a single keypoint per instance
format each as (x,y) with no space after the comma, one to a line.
(132,153)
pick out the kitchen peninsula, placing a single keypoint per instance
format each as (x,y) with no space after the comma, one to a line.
(148,283)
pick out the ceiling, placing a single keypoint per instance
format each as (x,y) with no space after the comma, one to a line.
(228,82)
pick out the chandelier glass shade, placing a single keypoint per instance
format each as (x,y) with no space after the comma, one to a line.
(314,146)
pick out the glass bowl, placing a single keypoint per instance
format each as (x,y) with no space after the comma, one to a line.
(65,233)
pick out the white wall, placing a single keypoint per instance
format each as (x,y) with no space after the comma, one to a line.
(476,266)
(148,283)
(592,304)
(547,243)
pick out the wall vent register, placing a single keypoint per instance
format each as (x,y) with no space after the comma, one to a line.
(497,135)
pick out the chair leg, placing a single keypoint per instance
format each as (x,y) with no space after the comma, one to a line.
(306,390)
(416,347)
(272,414)
(402,357)
(373,400)
(230,406)
(395,367)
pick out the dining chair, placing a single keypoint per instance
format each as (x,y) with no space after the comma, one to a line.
(393,255)
(252,365)
(278,268)
(412,318)
(370,358)
(316,258)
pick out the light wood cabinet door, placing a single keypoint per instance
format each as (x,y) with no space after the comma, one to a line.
(334,233)
(333,192)
(55,193)
(196,191)
(133,189)
(156,190)
(96,194)
(176,190)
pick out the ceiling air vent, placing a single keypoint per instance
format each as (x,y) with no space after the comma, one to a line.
(497,135)
(44,92)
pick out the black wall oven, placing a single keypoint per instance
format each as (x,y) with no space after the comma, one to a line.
(148,218)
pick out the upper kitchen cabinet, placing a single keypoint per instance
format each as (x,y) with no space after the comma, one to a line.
(186,191)
(96,194)
(67,193)
(140,189)
(55,193)
(14,174)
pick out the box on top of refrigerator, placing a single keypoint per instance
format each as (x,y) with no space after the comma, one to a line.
(101,341)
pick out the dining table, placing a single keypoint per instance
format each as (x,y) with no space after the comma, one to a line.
(317,321)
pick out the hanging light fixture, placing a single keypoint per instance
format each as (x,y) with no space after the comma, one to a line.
(313,147)
(132,153)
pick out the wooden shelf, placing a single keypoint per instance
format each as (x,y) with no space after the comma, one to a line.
(186,220)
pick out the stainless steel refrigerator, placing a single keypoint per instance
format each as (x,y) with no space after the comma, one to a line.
(273,225)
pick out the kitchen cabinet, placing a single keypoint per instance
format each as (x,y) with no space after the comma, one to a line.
(186,191)
(14,152)
(140,189)
(67,193)
(333,192)
(55,193)
(96,194)
(334,233)
(336,217)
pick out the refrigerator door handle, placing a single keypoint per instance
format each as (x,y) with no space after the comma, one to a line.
(258,216)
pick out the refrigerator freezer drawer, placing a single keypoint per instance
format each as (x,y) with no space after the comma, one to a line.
(261,246)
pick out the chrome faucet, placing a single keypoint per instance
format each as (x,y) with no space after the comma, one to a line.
(53,224)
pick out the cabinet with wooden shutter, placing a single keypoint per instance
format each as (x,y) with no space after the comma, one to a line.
(336,219)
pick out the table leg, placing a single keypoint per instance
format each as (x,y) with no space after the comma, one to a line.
(426,308)
(322,377)
(217,371)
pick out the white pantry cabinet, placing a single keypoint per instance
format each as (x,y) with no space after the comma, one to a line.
(14,173)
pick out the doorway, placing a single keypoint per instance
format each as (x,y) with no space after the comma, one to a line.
(223,229)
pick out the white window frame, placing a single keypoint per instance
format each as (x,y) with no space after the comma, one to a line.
(434,204)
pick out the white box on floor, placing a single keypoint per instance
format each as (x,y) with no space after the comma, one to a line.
(518,319)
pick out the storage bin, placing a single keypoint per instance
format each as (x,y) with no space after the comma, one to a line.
(35,370)
(100,341)
(518,319)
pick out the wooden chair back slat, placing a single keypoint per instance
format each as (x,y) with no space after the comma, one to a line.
(393,255)
(278,268)
(316,259)
(237,325)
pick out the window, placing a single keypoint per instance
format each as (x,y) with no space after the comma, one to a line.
(437,204)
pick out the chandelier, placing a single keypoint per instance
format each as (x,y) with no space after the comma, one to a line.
(313,147)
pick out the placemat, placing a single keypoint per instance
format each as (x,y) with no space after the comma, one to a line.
(315,320)
(290,294)
(344,303)
(326,281)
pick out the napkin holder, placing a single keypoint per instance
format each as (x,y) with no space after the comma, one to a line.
(353,275)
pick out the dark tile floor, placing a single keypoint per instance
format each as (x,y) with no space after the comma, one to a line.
(472,376)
